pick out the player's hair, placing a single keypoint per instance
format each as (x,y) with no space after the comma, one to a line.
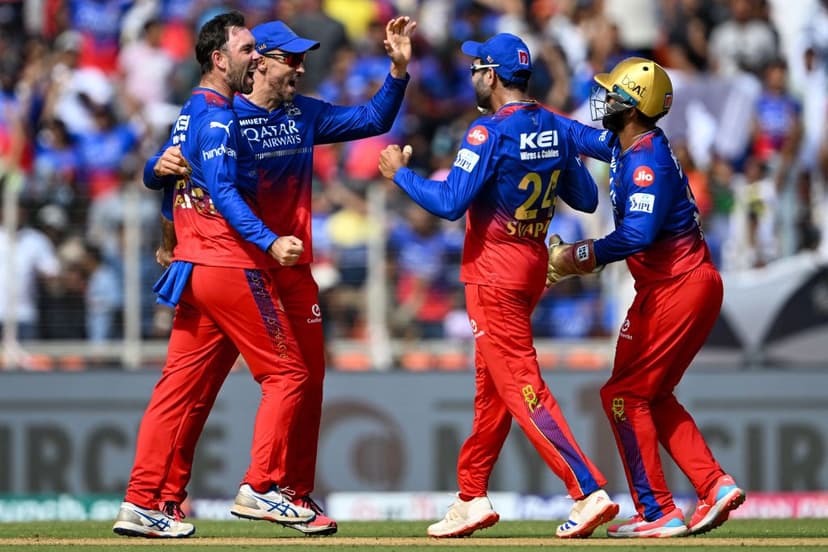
(521,87)
(214,36)
(649,122)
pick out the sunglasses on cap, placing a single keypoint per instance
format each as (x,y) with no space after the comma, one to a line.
(291,60)
(475,67)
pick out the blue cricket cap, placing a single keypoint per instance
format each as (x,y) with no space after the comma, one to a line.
(506,50)
(275,35)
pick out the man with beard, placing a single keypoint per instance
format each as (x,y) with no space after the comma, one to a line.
(225,299)
(512,166)
(678,297)
(282,127)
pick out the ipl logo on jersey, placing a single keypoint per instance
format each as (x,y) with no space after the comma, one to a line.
(466,160)
(642,203)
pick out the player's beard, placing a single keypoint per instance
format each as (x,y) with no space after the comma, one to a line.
(484,96)
(239,76)
(614,122)
(284,89)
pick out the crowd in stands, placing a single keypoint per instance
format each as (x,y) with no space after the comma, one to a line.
(89,88)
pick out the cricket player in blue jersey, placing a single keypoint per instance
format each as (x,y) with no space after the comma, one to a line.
(224,299)
(282,128)
(513,165)
(678,297)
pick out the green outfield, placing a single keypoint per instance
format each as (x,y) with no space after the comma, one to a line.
(219,536)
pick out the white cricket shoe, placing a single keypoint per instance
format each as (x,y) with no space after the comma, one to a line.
(464,518)
(587,514)
(269,506)
(134,521)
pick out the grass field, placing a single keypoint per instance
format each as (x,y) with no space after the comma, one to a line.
(221,536)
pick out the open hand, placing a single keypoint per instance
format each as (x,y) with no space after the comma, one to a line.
(397,44)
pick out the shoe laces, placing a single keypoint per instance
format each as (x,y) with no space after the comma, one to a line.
(577,508)
(637,518)
(310,503)
(454,513)
(304,500)
(173,510)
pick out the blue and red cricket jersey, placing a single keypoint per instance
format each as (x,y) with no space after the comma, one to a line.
(214,222)
(282,141)
(656,218)
(510,169)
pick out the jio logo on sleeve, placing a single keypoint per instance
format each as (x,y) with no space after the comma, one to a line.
(643,176)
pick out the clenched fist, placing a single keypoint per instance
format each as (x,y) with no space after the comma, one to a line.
(392,158)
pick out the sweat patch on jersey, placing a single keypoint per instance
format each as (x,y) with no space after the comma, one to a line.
(466,160)
(642,203)
(477,135)
(643,176)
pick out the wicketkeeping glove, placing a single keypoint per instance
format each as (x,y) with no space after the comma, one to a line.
(569,259)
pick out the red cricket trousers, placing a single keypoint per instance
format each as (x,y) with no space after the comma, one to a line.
(222,310)
(299,295)
(509,385)
(666,326)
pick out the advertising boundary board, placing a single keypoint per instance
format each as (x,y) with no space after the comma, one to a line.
(399,432)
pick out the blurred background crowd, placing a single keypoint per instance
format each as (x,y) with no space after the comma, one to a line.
(89,88)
